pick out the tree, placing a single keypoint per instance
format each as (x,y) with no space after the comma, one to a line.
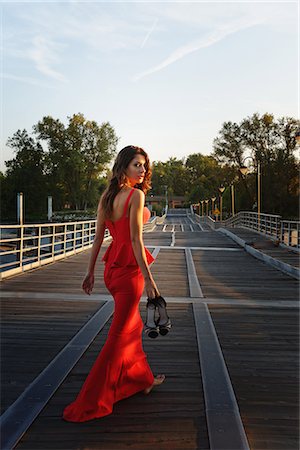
(272,143)
(25,173)
(77,155)
(206,175)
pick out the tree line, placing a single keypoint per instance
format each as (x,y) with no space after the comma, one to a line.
(72,164)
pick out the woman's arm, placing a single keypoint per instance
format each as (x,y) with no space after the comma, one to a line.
(88,282)
(136,234)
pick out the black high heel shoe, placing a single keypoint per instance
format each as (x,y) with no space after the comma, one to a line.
(151,329)
(163,322)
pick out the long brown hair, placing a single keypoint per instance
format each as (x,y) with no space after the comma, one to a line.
(119,178)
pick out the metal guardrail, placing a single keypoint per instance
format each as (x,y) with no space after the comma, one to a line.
(25,247)
(286,232)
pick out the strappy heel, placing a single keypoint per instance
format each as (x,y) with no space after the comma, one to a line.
(163,322)
(151,329)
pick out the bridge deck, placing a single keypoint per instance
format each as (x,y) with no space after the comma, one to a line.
(219,297)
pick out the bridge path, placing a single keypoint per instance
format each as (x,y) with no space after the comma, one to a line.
(235,331)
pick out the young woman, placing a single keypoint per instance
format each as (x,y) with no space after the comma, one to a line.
(121,368)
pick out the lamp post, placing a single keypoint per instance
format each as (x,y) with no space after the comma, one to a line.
(166,194)
(202,207)
(232,200)
(213,199)
(206,202)
(244,170)
(221,190)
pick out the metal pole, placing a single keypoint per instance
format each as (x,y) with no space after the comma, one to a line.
(49,208)
(20,209)
(20,233)
(221,207)
(258,194)
(232,200)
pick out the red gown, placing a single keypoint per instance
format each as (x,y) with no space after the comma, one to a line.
(121,368)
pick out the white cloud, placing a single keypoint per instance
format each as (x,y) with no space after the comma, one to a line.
(149,33)
(27,80)
(217,35)
(44,53)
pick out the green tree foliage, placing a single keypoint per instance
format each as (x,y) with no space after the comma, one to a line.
(66,162)
(77,155)
(272,143)
(70,162)
(25,173)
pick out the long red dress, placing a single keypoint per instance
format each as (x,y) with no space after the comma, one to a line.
(121,368)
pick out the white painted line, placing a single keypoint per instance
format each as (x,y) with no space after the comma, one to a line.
(173,239)
(224,423)
(200,226)
(164,228)
(192,229)
(182,229)
(195,288)
(58,296)
(155,252)
(16,420)
(173,229)
(227,249)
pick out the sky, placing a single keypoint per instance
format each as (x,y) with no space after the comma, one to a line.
(166,75)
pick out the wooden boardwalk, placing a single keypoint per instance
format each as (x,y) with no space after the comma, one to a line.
(231,358)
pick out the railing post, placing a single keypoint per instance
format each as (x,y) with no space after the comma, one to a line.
(53,241)
(82,235)
(21,244)
(74,237)
(39,244)
(65,238)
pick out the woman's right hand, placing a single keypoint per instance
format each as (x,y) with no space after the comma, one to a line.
(88,283)
(151,289)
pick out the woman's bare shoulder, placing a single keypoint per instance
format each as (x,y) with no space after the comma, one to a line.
(138,196)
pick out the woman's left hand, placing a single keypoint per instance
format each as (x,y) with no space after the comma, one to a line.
(88,283)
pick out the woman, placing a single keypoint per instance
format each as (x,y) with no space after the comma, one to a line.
(121,369)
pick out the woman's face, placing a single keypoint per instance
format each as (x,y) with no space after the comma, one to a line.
(135,170)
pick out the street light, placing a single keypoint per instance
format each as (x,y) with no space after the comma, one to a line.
(244,170)
(202,205)
(221,190)
(206,201)
(166,194)
(232,200)
(213,199)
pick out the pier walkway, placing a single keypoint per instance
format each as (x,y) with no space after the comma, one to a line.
(231,359)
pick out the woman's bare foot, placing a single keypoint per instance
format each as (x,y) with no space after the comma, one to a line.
(159,379)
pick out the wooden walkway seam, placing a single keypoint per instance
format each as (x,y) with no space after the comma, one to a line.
(56,296)
(194,285)
(225,427)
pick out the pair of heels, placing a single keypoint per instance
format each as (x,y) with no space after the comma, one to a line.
(163,324)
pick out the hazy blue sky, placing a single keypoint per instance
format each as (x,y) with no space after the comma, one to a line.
(166,75)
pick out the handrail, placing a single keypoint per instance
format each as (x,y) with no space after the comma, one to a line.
(24,247)
(286,232)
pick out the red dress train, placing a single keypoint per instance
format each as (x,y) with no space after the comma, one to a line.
(121,368)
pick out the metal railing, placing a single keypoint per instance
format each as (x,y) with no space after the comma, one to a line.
(286,232)
(25,247)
